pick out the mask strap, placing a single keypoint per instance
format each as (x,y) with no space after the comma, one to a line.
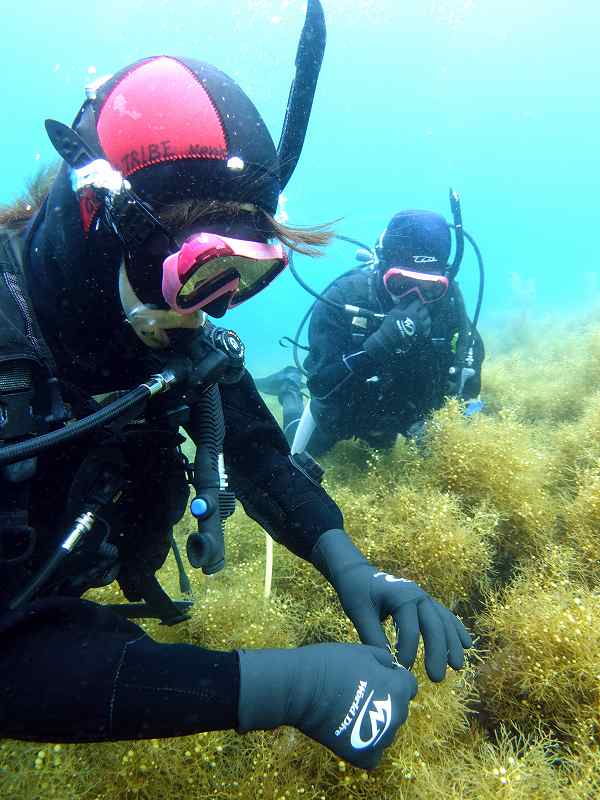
(131,220)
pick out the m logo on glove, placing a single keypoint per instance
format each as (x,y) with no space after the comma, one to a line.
(406,326)
(382,714)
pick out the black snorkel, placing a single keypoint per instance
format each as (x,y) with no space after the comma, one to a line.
(309,57)
(463,369)
(461,234)
(452,269)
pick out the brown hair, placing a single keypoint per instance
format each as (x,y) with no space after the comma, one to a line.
(23,208)
(306,240)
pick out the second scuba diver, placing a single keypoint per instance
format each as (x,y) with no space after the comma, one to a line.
(387,342)
(161,213)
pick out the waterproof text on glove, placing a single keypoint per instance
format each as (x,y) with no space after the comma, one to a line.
(348,697)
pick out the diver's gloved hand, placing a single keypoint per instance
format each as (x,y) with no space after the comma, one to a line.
(349,697)
(399,332)
(369,596)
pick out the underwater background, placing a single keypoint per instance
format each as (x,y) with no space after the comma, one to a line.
(499,516)
(497,100)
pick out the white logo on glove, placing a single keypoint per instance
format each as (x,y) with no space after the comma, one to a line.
(406,327)
(390,578)
(383,714)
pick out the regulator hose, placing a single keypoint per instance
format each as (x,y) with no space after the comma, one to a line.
(33,447)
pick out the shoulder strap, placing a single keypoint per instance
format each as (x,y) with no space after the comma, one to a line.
(20,335)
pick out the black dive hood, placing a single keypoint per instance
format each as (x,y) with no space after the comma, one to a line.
(85,228)
(244,166)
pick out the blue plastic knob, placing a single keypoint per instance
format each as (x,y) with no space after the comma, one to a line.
(199,507)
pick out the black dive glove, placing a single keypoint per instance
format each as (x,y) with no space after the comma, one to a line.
(368,597)
(349,697)
(403,327)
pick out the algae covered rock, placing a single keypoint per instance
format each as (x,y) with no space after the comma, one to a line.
(519,485)
(494,461)
(543,667)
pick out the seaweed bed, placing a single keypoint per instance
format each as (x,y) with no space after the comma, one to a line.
(497,516)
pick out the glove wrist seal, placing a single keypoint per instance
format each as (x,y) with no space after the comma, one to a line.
(334,553)
(265,680)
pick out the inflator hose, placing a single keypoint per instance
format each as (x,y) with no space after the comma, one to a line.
(481,290)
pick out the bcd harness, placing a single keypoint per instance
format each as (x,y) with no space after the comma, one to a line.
(32,419)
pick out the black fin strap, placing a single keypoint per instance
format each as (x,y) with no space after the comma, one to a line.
(311,49)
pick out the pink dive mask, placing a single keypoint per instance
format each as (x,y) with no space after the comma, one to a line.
(428,287)
(208,266)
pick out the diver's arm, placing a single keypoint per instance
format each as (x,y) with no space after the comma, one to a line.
(272,489)
(298,513)
(335,360)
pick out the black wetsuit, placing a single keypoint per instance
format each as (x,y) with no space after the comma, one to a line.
(353,397)
(71,670)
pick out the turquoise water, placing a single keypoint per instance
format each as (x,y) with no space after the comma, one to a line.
(496,99)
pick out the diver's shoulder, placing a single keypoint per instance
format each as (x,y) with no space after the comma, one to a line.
(356,280)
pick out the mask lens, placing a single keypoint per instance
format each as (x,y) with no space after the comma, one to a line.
(257,275)
(430,288)
(433,290)
(398,285)
(208,267)
(246,276)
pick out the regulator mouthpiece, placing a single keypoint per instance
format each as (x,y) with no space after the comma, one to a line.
(151,324)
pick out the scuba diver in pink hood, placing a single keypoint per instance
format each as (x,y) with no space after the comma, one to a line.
(161,215)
